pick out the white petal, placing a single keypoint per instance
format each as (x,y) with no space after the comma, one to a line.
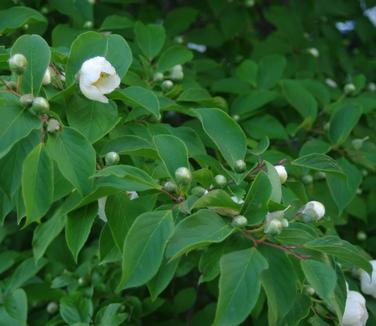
(108,84)
(47,77)
(91,69)
(92,93)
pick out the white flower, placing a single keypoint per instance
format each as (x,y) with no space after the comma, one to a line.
(312,211)
(237,200)
(97,77)
(355,310)
(239,220)
(47,77)
(313,52)
(176,73)
(367,283)
(281,170)
(132,195)
(349,88)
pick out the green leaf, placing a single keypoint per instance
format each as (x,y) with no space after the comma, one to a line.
(37,53)
(218,200)
(37,183)
(256,202)
(224,132)
(270,70)
(74,156)
(275,182)
(15,304)
(138,178)
(172,56)
(344,119)
(320,276)
(300,309)
(17,123)
(144,247)
(197,230)
(179,19)
(149,38)
(247,71)
(91,44)
(93,119)
(161,280)
(265,125)
(341,249)
(108,251)
(279,283)
(137,96)
(171,161)
(14,18)
(343,189)
(252,101)
(77,227)
(319,162)
(194,94)
(239,286)
(75,309)
(299,98)
(116,22)
(110,315)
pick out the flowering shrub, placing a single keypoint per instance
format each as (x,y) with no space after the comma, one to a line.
(205,163)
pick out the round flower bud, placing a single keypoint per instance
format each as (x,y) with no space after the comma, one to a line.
(313,52)
(307,179)
(81,281)
(179,39)
(40,105)
(240,166)
(312,211)
(158,76)
(359,191)
(112,158)
(364,172)
(349,88)
(285,223)
(183,175)
(361,236)
(44,10)
(236,117)
(371,87)
(273,227)
(355,313)
(281,170)
(26,100)
(367,283)
(167,85)
(320,175)
(239,220)
(220,180)
(17,63)
(92,2)
(176,73)
(52,307)
(309,290)
(326,126)
(53,125)
(357,143)
(331,83)
(249,3)
(237,200)
(170,186)
(198,191)
(47,77)
(88,24)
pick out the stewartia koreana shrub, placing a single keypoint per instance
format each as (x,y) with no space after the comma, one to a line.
(206,163)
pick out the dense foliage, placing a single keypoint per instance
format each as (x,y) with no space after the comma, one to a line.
(204,162)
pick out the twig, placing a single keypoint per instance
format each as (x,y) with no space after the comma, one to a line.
(174,198)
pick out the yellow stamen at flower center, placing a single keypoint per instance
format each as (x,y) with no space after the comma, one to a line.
(102,76)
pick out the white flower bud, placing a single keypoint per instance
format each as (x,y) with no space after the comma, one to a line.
(320,175)
(88,24)
(276,215)
(326,126)
(220,180)
(158,76)
(170,186)
(313,52)
(355,313)
(239,220)
(237,200)
(47,77)
(281,170)
(198,191)
(240,166)
(92,2)
(27,100)
(236,117)
(179,39)
(312,211)
(359,191)
(361,236)
(40,105)
(371,87)
(53,125)
(81,281)
(331,83)
(357,143)
(273,227)
(176,73)
(285,223)
(367,283)
(310,290)
(349,88)
(167,85)
(249,3)
(52,308)
(111,158)
(132,195)
(307,179)
(17,63)
(183,175)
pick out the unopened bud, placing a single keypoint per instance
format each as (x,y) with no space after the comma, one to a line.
(167,85)
(273,227)
(40,105)
(132,195)
(183,175)
(158,76)
(312,211)
(52,308)
(111,158)
(331,83)
(357,143)
(236,117)
(349,88)
(53,125)
(310,291)
(220,180)
(361,236)
(88,24)
(170,186)
(17,63)
(313,52)
(198,191)
(282,173)
(239,220)
(237,200)
(307,179)
(47,77)
(240,166)
(320,175)
(26,100)
(371,87)
(176,73)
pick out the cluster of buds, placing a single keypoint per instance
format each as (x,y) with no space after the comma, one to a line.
(176,72)
(275,222)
